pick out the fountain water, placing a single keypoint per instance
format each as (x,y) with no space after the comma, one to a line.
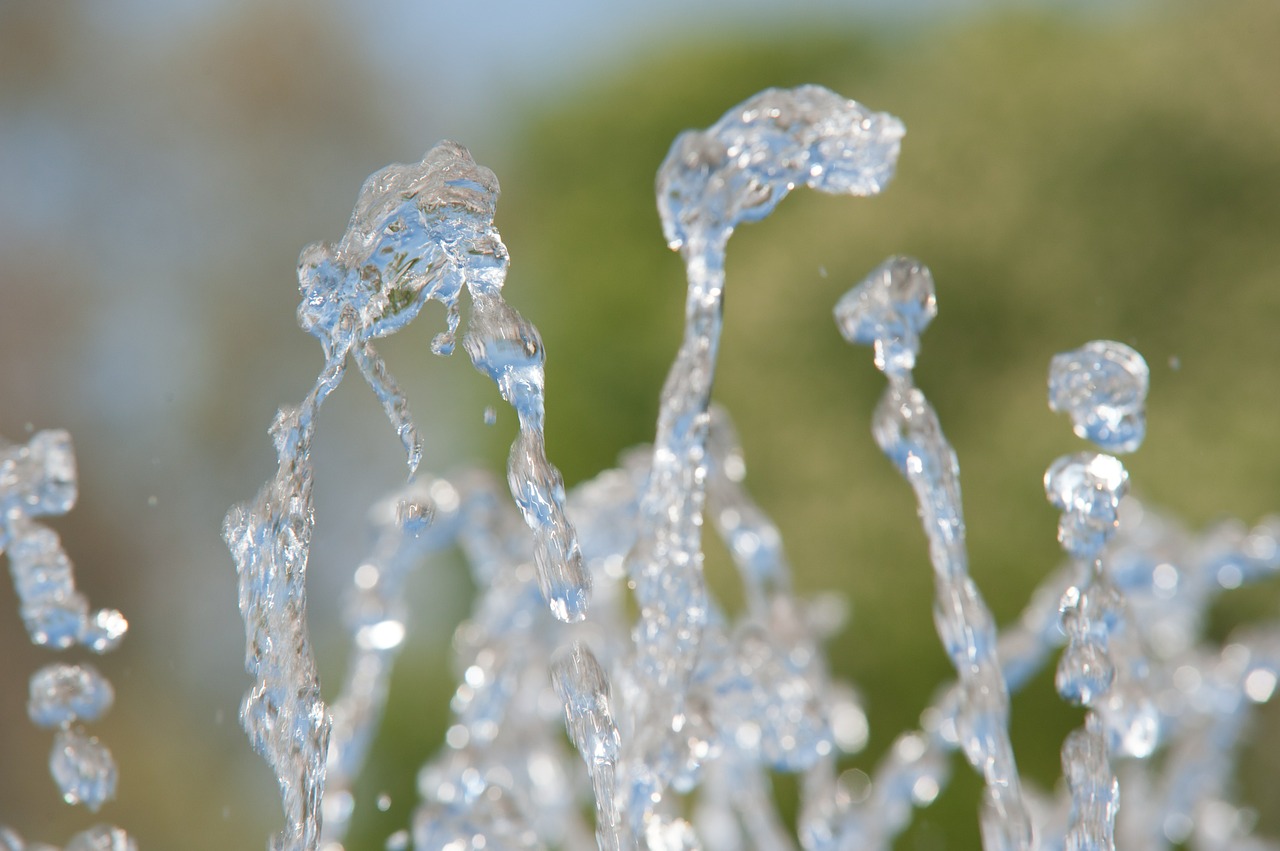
(678,714)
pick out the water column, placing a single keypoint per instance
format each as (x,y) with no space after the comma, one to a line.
(888,311)
(711,181)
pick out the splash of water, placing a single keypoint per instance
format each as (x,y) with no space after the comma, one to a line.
(419,232)
(675,721)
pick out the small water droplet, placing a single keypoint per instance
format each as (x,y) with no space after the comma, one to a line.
(490,415)
(104,631)
(889,310)
(1087,488)
(83,769)
(61,694)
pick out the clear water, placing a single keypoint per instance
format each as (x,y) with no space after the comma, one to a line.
(37,480)
(593,618)
(888,311)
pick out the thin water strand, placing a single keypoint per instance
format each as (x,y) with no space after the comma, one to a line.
(888,311)
(38,479)
(507,348)
(584,687)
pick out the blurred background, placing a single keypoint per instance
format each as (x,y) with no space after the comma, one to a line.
(1072,171)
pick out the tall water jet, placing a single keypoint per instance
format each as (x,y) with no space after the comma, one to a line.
(711,181)
(889,311)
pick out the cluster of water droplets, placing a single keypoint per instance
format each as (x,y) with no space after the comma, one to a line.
(1102,387)
(38,479)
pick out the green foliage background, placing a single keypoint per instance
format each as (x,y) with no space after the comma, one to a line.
(1066,179)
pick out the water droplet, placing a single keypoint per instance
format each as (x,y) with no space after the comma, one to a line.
(104,631)
(1087,488)
(1102,387)
(61,694)
(1085,672)
(888,311)
(383,635)
(83,769)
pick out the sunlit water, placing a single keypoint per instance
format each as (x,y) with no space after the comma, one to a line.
(606,699)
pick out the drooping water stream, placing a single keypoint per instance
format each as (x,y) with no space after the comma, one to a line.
(419,232)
